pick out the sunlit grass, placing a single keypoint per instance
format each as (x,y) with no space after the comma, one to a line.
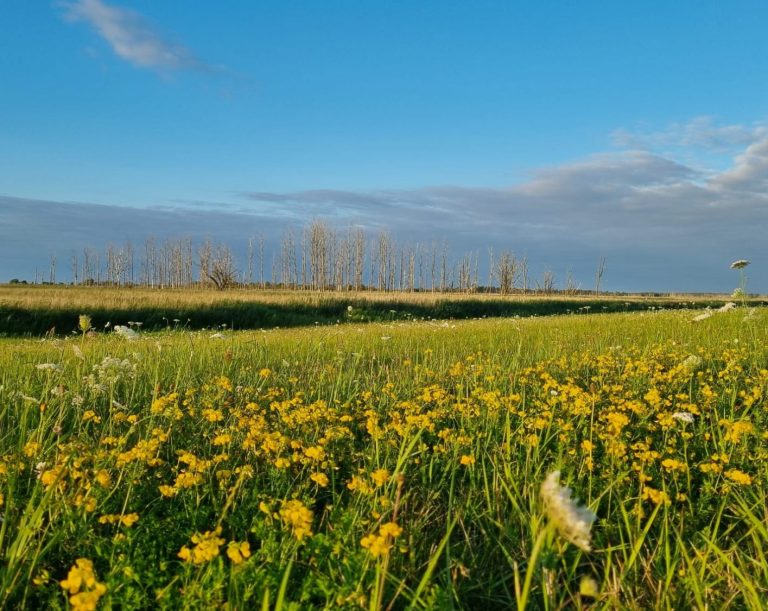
(388,465)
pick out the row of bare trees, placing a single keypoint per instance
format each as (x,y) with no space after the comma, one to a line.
(318,258)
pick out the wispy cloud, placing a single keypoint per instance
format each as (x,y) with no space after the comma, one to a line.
(133,38)
(700,132)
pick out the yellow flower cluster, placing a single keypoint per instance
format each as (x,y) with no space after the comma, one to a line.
(296,516)
(379,544)
(126,520)
(238,551)
(83,586)
(206,547)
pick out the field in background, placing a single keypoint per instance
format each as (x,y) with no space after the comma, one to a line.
(36,310)
(389,465)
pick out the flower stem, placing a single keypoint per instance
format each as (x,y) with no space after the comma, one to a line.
(522,599)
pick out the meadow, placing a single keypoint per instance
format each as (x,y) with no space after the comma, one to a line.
(408,464)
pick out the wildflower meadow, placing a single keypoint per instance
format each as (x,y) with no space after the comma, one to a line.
(578,461)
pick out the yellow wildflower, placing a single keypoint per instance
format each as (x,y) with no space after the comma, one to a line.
(380,544)
(298,517)
(206,547)
(103,479)
(738,477)
(670,464)
(380,477)
(82,585)
(321,479)
(238,551)
(657,497)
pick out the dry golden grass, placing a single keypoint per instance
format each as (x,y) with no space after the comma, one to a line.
(34,297)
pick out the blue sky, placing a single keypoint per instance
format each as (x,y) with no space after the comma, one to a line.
(564,131)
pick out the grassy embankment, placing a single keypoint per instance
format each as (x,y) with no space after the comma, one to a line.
(42,309)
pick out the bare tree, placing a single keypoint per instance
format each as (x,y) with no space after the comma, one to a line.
(75,262)
(288,259)
(319,238)
(383,260)
(444,268)
(52,271)
(599,275)
(524,273)
(261,260)
(571,288)
(506,271)
(359,257)
(249,275)
(221,272)
(205,255)
(547,285)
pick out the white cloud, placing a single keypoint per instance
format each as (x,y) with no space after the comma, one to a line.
(132,37)
(700,132)
(749,174)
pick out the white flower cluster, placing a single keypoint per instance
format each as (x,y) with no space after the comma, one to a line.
(110,371)
(572,521)
(686,417)
(125,332)
(693,363)
(710,312)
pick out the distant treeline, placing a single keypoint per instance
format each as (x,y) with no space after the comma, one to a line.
(317,257)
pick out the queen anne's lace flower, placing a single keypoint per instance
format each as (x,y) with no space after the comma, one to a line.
(703,316)
(683,417)
(125,332)
(572,521)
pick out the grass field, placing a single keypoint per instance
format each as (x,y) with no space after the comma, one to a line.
(389,465)
(36,310)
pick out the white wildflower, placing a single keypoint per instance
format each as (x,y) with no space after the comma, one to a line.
(111,370)
(126,332)
(571,520)
(739,264)
(93,385)
(50,367)
(703,316)
(683,417)
(693,363)
(728,306)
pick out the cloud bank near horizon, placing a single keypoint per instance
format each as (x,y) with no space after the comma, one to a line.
(663,224)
